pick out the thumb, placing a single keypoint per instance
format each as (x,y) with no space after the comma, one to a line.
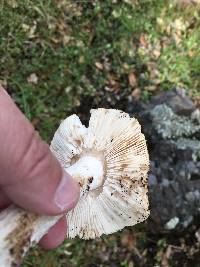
(30,175)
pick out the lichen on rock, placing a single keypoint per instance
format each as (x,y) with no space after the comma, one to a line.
(171,124)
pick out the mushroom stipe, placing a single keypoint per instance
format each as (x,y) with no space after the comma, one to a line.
(110,161)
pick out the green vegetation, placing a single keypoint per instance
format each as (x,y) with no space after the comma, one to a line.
(64,56)
(57,56)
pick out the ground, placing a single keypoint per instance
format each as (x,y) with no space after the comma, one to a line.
(58,57)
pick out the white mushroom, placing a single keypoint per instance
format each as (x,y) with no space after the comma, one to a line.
(110,161)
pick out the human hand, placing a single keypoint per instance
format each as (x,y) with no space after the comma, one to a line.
(30,176)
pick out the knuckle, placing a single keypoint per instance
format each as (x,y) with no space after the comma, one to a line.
(32,161)
(35,158)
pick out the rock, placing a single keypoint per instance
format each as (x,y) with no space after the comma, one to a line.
(171,125)
(176,100)
(152,179)
(172,223)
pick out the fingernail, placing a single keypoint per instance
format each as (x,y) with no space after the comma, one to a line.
(67,193)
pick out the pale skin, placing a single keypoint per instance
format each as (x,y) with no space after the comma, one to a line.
(30,176)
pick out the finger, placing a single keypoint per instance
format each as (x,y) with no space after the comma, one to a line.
(30,174)
(4,200)
(55,236)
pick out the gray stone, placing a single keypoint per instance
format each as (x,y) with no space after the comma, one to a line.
(152,179)
(171,125)
(172,223)
(176,100)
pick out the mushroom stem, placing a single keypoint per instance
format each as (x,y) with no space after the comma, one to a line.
(20,229)
(88,172)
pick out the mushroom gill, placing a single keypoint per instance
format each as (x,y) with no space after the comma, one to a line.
(110,161)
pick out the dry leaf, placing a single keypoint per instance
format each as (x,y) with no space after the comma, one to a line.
(25,27)
(32,30)
(81,59)
(197,235)
(178,24)
(132,79)
(177,38)
(125,66)
(66,39)
(33,78)
(13,3)
(35,122)
(3,83)
(190,53)
(188,2)
(165,257)
(99,65)
(131,264)
(136,94)
(156,53)
(156,82)
(143,40)
(112,85)
(129,241)
(168,29)
(151,88)
(108,89)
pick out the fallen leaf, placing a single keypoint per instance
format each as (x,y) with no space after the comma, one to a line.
(33,78)
(160,21)
(25,27)
(107,66)
(165,257)
(35,122)
(143,40)
(129,241)
(156,82)
(13,3)
(116,13)
(190,53)
(66,39)
(177,38)
(188,2)
(132,79)
(125,66)
(131,264)
(156,53)
(32,30)
(197,235)
(99,65)
(81,59)
(3,83)
(168,29)
(136,93)
(150,88)
(77,102)
(112,84)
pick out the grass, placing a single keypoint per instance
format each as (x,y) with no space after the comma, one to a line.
(62,56)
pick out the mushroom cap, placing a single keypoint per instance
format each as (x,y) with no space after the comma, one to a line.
(110,161)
